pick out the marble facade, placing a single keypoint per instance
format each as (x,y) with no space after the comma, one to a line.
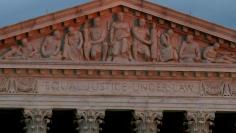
(118,54)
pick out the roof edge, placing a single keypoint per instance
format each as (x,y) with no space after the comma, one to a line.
(140,5)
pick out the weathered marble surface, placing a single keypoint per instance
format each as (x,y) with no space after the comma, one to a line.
(94,87)
(69,60)
(119,36)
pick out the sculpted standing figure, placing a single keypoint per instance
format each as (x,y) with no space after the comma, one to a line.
(167,51)
(87,45)
(50,47)
(73,45)
(155,53)
(190,51)
(96,41)
(119,37)
(212,55)
(141,42)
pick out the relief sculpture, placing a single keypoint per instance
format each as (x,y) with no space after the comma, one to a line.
(190,51)
(4,84)
(119,39)
(155,53)
(73,45)
(17,85)
(14,53)
(136,39)
(25,85)
(95,43)
(141,41)
(50,47)
(28,50)
(167,51)
(24,50)
(217,88)
(212,54)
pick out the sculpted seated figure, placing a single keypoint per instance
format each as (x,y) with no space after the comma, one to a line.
(73,45)
(51,46)
(167,51)
(212,55)
(190,51)
(28,50)
(119,38)
(95,41)
(141,41)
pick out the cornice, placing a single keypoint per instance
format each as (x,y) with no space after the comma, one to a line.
(118,70)
(90,65)
(139,5)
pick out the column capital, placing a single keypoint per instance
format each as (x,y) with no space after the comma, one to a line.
(200,121)
(89,120)
(148,121)
(36,120)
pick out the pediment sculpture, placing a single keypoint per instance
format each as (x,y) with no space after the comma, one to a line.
(120,39)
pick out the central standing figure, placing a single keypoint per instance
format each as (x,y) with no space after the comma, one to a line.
(95,42)
(142,40)
(119,38)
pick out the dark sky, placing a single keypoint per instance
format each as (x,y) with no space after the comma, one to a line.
(222,12)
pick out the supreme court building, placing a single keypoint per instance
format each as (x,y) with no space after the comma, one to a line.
(117,66)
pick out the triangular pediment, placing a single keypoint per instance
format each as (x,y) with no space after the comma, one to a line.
(118,54)
(115,32)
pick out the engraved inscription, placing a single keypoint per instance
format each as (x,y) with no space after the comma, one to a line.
(111,87)
(198,88)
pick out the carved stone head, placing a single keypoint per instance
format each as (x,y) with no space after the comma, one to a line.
(24,41)
(142,22)
(154,25)
(170,32)
(71,30)
(216,46)
(97,21)
(57,34)
(189,38)
(120,16)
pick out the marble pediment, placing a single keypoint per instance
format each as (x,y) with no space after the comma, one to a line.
(118,34)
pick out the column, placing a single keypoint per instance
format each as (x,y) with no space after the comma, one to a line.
(200,121)
(89,120)
(36,120)
(148,121)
